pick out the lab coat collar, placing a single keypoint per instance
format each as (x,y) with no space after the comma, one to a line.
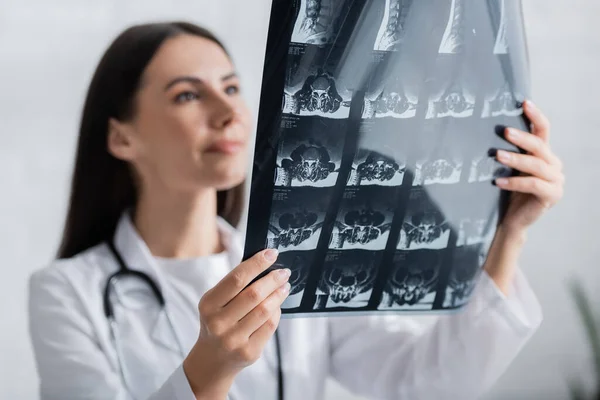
(137,256)
(232,240)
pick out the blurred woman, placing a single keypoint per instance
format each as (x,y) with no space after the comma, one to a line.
(149,300)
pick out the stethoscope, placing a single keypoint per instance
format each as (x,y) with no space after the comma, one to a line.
(125,271)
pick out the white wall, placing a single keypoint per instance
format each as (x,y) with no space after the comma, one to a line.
(48,51)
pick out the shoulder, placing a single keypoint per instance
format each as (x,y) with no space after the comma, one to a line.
(65,303)
(81,275)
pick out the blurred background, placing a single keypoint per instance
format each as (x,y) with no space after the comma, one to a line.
(48,50)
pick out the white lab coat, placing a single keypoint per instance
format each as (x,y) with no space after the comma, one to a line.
(383,357)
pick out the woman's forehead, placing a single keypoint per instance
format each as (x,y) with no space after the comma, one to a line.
(188,55)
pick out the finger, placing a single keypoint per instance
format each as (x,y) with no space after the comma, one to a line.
(261,336)
(263,312)
(528,164)
(236,280)
(546,192)
(254,294)
(541,124)
(532,144)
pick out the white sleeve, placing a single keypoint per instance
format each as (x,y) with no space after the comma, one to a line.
(70,361)
(457,357)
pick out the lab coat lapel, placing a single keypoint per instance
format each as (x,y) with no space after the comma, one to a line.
(137,257)
(163,334)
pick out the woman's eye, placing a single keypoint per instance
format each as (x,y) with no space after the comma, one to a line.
(186,96)
(233,89)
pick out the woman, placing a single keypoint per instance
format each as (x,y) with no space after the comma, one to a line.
(159,174)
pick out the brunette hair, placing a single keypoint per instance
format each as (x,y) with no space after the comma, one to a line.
(103,186)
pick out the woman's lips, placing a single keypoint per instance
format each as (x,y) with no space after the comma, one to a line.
(225,147)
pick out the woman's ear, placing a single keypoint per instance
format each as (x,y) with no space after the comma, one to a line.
(118,141)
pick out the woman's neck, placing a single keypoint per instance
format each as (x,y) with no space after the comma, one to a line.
(179,226)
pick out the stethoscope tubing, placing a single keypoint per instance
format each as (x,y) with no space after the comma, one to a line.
(124,270)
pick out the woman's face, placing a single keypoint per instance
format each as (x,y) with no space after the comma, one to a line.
(190,128)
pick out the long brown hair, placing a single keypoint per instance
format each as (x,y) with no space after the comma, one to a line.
(103,186)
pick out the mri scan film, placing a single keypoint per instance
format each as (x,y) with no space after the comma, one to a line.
(374,160)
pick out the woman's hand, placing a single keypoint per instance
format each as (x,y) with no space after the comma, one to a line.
(540,185)
(236,323)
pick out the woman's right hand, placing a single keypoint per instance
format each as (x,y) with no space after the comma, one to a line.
(235,324)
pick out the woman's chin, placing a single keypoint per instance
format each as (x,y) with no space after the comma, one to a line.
(227,178)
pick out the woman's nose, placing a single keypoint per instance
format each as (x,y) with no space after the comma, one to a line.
(222,111)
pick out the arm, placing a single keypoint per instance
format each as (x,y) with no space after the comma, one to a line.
(459,356)
(70,362)
(236,323)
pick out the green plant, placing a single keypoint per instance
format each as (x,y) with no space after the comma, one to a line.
(592,330)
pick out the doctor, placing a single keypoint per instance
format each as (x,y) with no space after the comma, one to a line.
(147,299)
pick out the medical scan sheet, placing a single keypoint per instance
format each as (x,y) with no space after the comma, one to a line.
(374,157)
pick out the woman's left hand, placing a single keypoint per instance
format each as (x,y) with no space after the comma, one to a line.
(540,184)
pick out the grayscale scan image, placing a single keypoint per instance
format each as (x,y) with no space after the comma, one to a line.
(502,101)
(395,97)
(475,222)
(296,222)
(452,98)
(474,230)
(442,163)
(363,222)
(373,168)
(498,7)
(393,27)
(485,169)
(413,281)
(467,262)
(424,226)
(313,88)
(438,169)
(309,155)
(453,39)
(347,279)
(318,21)
(453,88)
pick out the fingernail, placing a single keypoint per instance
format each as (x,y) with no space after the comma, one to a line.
(501,181)
(531,105)
(504,155)
(511,133)
(286,288)
(271,255)
(284,273)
